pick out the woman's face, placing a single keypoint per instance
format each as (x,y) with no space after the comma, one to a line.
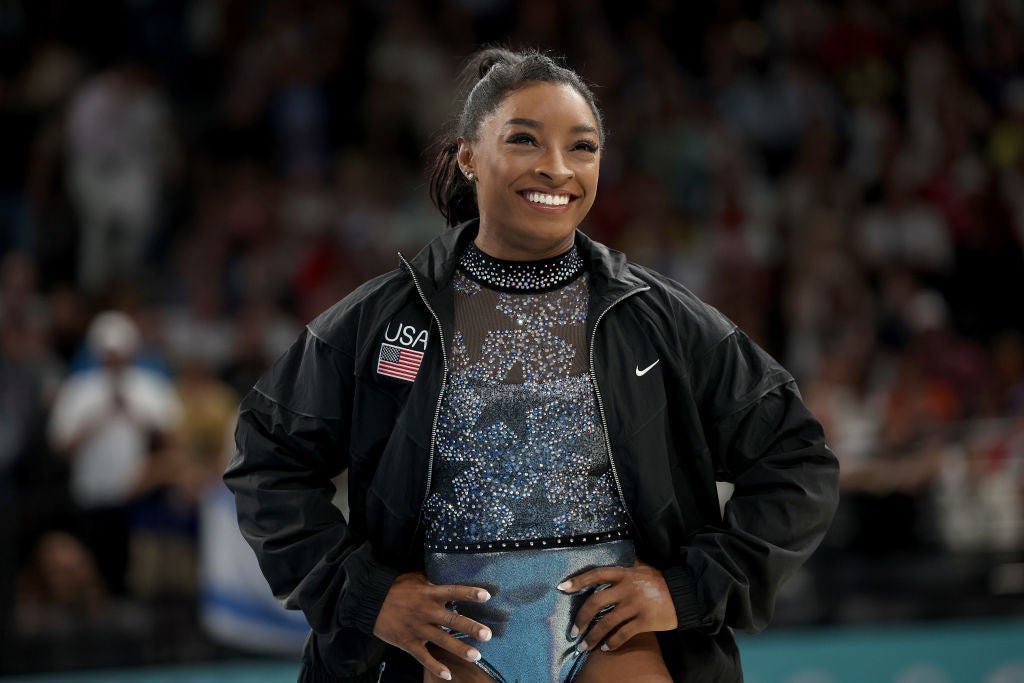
(536,160)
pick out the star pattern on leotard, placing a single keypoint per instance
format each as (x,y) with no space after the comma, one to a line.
(527,459)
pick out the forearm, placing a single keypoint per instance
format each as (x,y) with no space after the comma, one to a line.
(281,479)
(785,495)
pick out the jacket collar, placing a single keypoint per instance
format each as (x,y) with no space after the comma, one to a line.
(435,264)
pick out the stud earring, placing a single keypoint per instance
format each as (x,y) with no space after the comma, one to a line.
(470,176)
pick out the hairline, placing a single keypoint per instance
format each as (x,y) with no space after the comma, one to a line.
(565,83)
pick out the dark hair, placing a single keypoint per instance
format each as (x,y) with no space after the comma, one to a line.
(489,76)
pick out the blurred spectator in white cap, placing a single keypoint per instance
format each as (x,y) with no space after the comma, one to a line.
(114,423)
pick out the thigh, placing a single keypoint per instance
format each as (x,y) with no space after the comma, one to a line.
(638,661)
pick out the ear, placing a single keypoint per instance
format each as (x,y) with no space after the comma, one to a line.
(464,155)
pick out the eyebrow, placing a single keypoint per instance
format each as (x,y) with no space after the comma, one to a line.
(534,123)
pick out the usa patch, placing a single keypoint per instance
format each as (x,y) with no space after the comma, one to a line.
(394,361)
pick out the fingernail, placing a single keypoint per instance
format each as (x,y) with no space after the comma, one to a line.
(565,586)
(604,648)
(583,647)
(473,655)
(446,675)
(483,596)
(485,634)
(574,632)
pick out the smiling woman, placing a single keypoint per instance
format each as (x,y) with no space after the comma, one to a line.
(535,161)
(533,428)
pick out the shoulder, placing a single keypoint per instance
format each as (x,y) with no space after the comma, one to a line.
(338,326)
(681,312)
(725,364)
(672,309)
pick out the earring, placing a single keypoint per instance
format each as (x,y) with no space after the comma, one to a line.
(470,176)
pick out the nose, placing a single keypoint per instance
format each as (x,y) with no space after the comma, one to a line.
(553,168)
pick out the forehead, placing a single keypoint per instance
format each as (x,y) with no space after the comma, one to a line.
(556,104)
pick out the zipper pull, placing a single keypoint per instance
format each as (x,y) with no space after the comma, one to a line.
(380,675)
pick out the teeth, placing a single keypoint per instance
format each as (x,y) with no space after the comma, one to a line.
(548,199)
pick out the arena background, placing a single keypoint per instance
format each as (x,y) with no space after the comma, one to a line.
(845,180)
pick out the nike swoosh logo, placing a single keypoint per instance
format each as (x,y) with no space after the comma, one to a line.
(641,373)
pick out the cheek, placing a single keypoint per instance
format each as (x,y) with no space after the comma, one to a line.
(590,186)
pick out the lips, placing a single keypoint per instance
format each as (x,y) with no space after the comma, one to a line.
(547,200)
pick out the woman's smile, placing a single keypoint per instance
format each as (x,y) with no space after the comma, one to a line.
(546,201)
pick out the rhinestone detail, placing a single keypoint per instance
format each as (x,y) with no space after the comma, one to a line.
(521,276)
(520,457)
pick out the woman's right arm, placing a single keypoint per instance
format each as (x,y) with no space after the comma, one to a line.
(292,437)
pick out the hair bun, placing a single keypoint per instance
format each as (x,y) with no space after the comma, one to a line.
(493,56)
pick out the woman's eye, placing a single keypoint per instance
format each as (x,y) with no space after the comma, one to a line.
(521,139)
(586,147)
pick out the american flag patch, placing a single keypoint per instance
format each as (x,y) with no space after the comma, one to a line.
(394,361)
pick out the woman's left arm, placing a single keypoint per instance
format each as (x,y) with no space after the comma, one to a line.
(786,491)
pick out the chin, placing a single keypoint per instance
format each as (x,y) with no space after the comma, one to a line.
(552,236)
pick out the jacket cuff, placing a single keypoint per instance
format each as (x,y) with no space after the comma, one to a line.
(368,585)
(684,597)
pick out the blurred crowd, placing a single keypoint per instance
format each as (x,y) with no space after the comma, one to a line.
(185,183)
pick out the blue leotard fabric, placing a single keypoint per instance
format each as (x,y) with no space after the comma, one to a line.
(530,620)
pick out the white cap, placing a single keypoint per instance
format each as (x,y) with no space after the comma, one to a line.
(113,332)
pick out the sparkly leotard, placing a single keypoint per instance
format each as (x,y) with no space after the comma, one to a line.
(524,494)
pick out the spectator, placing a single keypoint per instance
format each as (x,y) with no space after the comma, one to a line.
(62,575)
(115,423)
(120,148)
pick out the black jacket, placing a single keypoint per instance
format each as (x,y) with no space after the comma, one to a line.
(715,407)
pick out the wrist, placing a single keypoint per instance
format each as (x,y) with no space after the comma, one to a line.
(684,597)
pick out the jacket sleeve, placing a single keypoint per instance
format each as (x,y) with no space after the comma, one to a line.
(292,438)
(764,440)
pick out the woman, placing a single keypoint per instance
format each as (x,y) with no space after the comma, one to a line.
(533,428)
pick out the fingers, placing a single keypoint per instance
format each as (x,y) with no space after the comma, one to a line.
(616,619)
(452,644)
(461,624)
(614,629)
(454,620)
(593,605)
(414,613)
(422,655)
(453,592)
(592,578)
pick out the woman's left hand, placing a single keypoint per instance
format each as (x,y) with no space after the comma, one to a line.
(641,602)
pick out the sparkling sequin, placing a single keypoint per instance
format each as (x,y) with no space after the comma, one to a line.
(521,276)
(521,460)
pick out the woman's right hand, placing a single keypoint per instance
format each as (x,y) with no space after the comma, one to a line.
(413,613)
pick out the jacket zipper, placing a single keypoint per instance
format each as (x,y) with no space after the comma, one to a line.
(444,383)
(600,402)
